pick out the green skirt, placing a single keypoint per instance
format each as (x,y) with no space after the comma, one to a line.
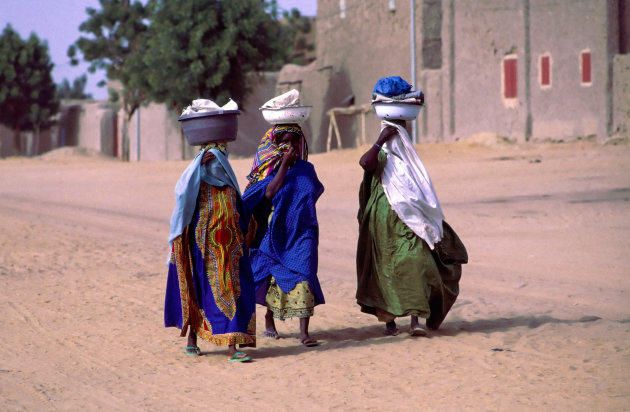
(397,273)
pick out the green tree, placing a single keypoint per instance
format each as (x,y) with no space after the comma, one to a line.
(173,51)
(27,91)
(76,91)
(300,29)
(206,48)
(115,34)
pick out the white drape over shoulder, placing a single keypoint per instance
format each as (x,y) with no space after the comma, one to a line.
(408,187)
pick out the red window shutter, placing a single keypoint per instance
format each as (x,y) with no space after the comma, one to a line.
(510,78)
(586,67)
(545,71)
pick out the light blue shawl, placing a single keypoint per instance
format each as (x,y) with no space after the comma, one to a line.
(217,172)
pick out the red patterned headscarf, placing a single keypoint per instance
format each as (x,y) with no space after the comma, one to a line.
(270,152)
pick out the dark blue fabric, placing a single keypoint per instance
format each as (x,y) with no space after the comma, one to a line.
(392,86)
(172,301)
(287,247)
(221,324)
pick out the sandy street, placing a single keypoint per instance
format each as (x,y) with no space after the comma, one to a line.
(542,322)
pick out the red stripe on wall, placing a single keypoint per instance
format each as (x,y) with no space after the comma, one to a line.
(545,71)
(586,67)
(510,78)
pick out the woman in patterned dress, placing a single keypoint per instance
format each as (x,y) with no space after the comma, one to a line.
(210,286)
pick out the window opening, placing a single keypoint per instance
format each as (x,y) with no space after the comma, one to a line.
(510,89)
(585,67)
(545,71)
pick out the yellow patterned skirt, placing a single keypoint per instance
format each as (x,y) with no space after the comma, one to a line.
(298,303)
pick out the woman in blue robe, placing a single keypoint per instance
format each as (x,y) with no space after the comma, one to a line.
(284,234)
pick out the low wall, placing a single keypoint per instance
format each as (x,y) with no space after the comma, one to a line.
(96,128)
(621,96)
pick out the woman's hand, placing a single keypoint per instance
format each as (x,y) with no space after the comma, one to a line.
(207,156)
(290,157)
(369,160)
(386,134)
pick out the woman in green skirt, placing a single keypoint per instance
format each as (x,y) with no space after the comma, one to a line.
(408,259)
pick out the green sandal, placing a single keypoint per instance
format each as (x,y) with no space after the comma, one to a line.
(193,351)
(240,357)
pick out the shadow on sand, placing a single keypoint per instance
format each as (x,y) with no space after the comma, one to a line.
(504,324)
(335,339)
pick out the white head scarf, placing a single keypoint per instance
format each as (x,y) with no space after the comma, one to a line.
(408,187)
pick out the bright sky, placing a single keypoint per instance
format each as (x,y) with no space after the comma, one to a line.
(57,22)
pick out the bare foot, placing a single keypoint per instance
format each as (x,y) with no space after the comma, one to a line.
(308,341)
(304,336)
(192,349)
(270,326)
(271,334)
(415,329)
(236,356)
(391,329)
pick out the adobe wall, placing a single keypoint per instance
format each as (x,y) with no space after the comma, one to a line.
(95,127)
(568,109)
(160,131)
(6,141)
(159,135)
(460,45)
(459,65)
(29,144)
(251,125)
(485,32)
(371,42)
(621,96)
(89,120)
(88,124)
(313,85)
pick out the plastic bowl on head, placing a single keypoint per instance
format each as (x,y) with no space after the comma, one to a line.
(397,111)
(284,115)
(206,127)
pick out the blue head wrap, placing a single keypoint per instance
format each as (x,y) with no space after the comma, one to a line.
(392,86)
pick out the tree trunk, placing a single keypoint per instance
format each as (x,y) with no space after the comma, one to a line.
(35,145)
(184,143)
(178,109)
(17,132)
(125,140)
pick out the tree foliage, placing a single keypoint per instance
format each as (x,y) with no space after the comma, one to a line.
(206,48)
(114,35)
(27,92)
(76,91)
(174,51)
(300,29)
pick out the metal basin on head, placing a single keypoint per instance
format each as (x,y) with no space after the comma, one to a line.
(396,111)
(206,127)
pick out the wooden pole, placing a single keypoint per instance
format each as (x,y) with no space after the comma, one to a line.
(330,126)
(334,122)
(363,127)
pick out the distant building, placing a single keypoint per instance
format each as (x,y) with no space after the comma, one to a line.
(523,69)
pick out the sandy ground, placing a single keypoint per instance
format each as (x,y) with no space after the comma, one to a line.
(542,322)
